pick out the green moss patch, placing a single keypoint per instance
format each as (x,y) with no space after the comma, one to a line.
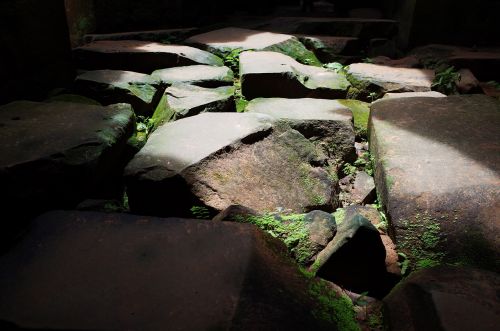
(361,112)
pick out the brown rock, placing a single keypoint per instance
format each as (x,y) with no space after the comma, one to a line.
(363,190)
(468,82)
(233,213)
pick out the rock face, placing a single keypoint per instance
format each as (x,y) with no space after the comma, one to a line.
(225,40)
(445,298)
(184,100)
(137,272)
(200,75)
(271,74)
(363,189)
(321,227)
(115,86)
(390,79)
(140,56)
(328,48)
(56,153)
(325,121)
(437,173)
(430,94)
(208,159)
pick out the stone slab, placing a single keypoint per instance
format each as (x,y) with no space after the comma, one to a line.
(429,94)
(147,35)
(200,75)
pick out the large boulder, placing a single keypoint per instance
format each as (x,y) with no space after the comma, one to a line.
(272,74)
(225,40)
(208,159)
(437,173)
(200,75)
(56,153)
(140,56)
(104,271)
(327,122)
(115,86)
(445,298)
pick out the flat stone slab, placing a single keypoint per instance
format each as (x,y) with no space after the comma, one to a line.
(105,271)
(200,75)
(184,100)
(147,35)
(429,94)
(437,172)
(327,120)
(140,56)
(391,79)
(55,153)
(115,86)
(328,48)
(272,74)
(225,40)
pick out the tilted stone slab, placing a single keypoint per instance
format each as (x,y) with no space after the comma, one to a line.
(55,153)
(184,100)
(147,35)
(200,75)
(390,79)
(325,120)
(222,159)
(429,94)
(115,86)
(140,56)
(225,40)
(437,172)
(271,74)
(104,271)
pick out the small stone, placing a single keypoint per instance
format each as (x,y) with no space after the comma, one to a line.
(234,213)
(468,83)
(363,191)
(322,228)
(200,75)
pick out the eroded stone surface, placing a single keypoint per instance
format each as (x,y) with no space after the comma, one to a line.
(429,94)
(438,176)
(141,56)
(200,75)
(105,271)
(271,74)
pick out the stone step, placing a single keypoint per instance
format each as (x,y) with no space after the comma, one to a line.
(437,173)
(105,271)
(140,56)
(199,75)
(164,36)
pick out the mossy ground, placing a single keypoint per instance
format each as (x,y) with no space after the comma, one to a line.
(360,112)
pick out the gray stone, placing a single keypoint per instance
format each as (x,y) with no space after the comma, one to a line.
(363,190)
(429,94)
(437,172)
(140,56)
(271,74)
(115,86)
(57,153)
(445,298)
(105,271)
(234,213)
(184,100)
(326,121)
(468,83)
(166,35)
(321,227)
(328,48)
(200,75)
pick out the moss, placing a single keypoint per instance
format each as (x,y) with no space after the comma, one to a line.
(144,92)
(240,100)
(360,112)
(309,185)
(296,50)
(162,114)
(339,215)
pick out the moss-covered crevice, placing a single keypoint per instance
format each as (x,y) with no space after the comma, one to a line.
(360,112)
(295,49)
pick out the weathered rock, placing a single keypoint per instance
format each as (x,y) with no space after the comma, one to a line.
(184,100)
(325,121)
(200,75)
(115,86)
(140,56)
(404,62)
(491,89)
(100,271)
(225,40)
(429,94)
(363,190)
(468,83)
(321,227)
(56,153)
(327,48)
(234,213)
(209,158)
(368,212)
(390,79)
(164,36)
(437,166)
(355,258)
(445,298)
(271,74)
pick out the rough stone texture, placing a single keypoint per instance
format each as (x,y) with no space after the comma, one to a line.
(234,213)
(55,153)
(200,75)
(184,100)
(355,258)
(332,49)
(445,298)
(271,74)
(115,86)
(490,89)
(363,190)
(468,82)
(150,35)
(437,174)
(404,62)
(325,121)
(430,94)
(321,227)
(390,79)
(141,56)
(98,271)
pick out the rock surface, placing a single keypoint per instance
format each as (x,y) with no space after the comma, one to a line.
(363,189)
(390,79)
(271,74)
(56,154)
(148,35)
(200,75)
(184,100)
(321,227)
(115,86)
(445,298)
(327,48)
(140,56)
(325,121)
(429,94)
(102,271)
(437,172)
